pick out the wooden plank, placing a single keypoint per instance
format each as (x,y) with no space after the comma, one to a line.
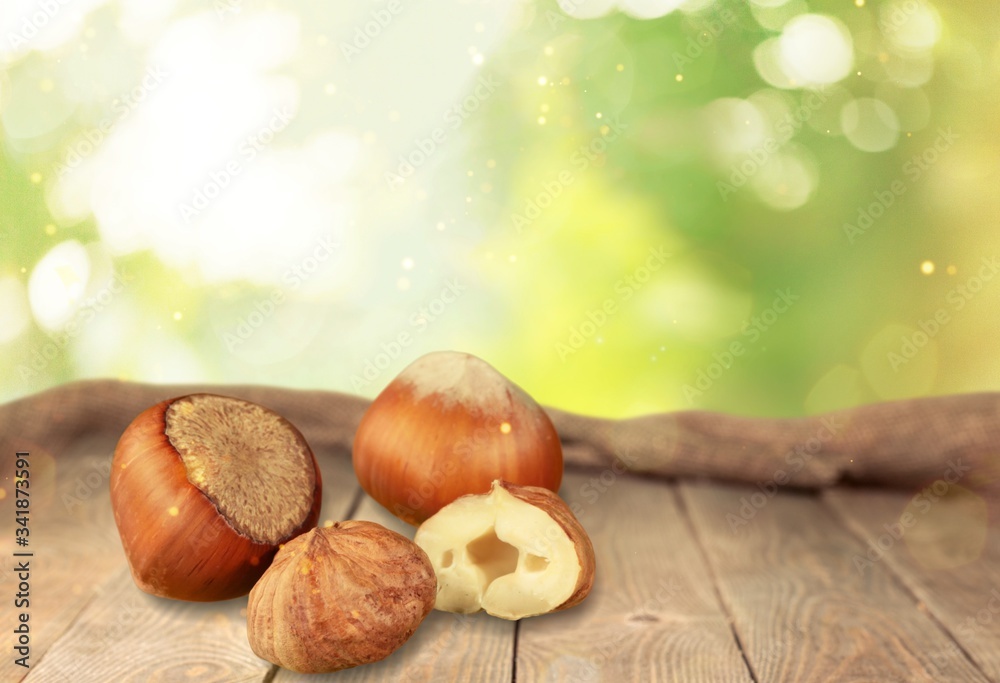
(72,537)
(125,635)
(944,548)
(800,608)
(653,613)
(446,647)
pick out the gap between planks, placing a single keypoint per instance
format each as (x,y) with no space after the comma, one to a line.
(790,567)
(944,604)
(726,608)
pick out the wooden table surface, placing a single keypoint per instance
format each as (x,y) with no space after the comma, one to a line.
(696,581)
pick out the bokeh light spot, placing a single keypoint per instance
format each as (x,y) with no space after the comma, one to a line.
(57,283)
(900,361)
(910,24)
(870,124)
(649,9)
(815,50)
(950,526)
(14,313)
(840,387)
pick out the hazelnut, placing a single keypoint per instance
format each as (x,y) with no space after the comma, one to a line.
(340,596)
(204,489)
(447,426)
(514,552)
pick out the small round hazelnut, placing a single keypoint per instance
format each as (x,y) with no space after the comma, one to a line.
(340,596)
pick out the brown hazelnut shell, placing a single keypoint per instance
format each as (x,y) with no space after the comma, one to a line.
(338,597)
(195,554)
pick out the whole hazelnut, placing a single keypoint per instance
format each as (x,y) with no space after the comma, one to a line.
(340,596)
(447,426)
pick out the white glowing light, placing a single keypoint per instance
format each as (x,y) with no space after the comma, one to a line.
(767,60)
(142,19)
(212,186)
(124,341)
(640,9)
(586,9)
(787,180)
(815,50)
(869,124)
(30,25)
(649,9)
(14,313)
(910,69)
(57,284)
(910,24)
(736,126)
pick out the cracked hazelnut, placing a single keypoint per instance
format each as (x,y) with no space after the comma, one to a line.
(204,489)
(514,552)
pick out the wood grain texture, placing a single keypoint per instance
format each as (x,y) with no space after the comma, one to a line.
(802,610)
(945,549)
(446,647)
(129,636)
(72,536)
(653,614)
(124,634)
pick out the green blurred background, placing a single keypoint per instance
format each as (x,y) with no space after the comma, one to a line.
(776,207)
